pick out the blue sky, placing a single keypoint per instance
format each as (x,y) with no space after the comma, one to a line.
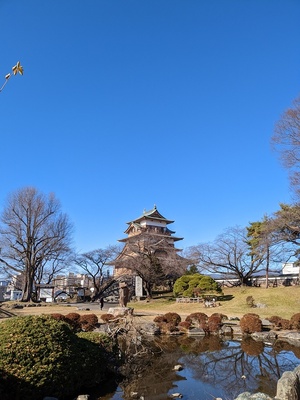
(127,103)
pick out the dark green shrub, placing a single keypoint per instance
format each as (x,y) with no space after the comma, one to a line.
(99,338)
(250,323)
(181,285)
(190,285)
(88,322)
(208,284)
(41,356)
(108,346)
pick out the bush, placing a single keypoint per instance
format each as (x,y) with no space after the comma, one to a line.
(281,323)
(88,322)
(107,317)
(222,316)
(214,323)
(172,318)
(250,323)
(78,322)
(109,347)
(73,319)
(58,317)
(295,321)
(275,321)
(188,285)
(41,356)
(99,338)
(181,285)
(184,326)
(250,301)
(198,320)
(208,284)
(168,322)
(284,324)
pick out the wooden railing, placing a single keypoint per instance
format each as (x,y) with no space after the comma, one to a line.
(206,302)
(189,300)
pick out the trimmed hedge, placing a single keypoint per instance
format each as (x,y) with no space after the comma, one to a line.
(196,284)
(168,322)
(41,356)
(250,323)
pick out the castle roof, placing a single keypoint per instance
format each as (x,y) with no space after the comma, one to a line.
(153,214)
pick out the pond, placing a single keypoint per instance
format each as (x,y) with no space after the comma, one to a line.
(212,368)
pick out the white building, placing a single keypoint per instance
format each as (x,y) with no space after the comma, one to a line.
(290,268)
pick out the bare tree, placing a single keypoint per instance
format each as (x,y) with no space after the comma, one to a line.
(33,235)
(96,264)
(47,270)
(286,141)
(152,258)
(228,255)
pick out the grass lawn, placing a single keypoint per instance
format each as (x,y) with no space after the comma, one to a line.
(281,301)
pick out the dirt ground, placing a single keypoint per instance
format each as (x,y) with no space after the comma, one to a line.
(62,308)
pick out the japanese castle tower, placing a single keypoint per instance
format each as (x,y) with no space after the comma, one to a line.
(151,224)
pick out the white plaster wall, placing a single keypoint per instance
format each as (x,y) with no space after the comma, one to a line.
(153,223)
(290,268)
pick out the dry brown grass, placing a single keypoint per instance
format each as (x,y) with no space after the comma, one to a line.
(54,309)
(281,301)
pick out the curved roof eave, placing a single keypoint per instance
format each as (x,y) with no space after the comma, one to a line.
(152,214)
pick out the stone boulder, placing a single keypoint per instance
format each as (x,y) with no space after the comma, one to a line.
(255,396)
(288,386)
(291,337)
(120,311)
(150,329)
(267,337)
(196,331)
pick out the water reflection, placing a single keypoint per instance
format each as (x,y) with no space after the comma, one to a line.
(211,368)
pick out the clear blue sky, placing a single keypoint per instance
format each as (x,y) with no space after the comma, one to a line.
(127,103)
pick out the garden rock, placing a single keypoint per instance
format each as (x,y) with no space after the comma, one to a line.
(178,367)
(226,330)
(196,331)
(120,311)
(150,329)
(291,336)
(265,336)
(256,396)
(288,386)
